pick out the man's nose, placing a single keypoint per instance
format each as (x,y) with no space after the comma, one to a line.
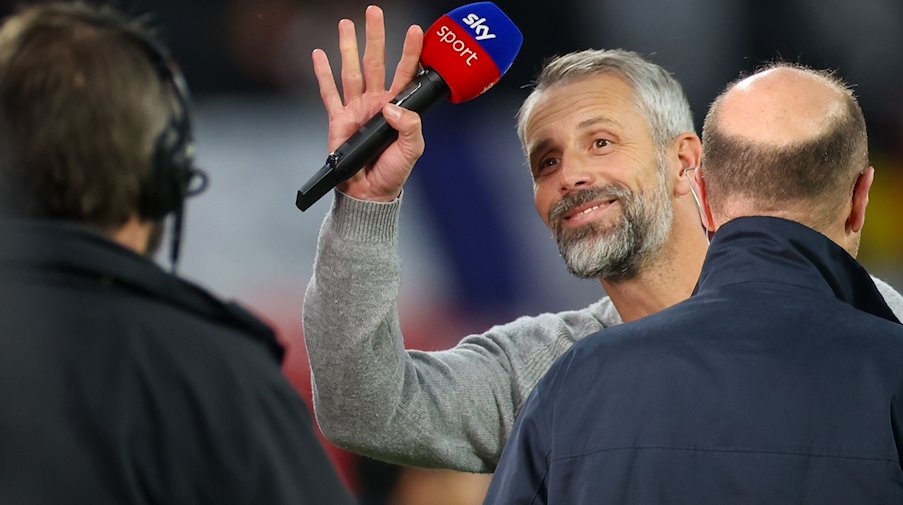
(575,173)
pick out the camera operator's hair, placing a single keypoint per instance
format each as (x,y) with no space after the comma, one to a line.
(81,109)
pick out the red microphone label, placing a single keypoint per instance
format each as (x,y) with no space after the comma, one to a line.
(456,56)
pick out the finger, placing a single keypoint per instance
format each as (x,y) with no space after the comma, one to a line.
(375,51)
(352,85)
(410,130)
(409,64)
(328,91)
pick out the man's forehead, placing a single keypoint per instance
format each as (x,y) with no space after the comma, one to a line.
(592,100)
(539,138)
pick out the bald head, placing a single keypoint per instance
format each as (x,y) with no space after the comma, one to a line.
(785,141)
(781,107)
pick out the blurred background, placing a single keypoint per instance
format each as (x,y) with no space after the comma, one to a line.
(473,249)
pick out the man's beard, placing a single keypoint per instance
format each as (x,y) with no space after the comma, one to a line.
(614,252)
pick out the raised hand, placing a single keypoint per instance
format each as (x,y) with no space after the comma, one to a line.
(364,95)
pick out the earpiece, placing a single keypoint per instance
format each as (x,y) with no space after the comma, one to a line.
(703,217)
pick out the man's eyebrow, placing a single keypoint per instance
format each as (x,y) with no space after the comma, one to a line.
(598,120)
(544,143)
(537,148)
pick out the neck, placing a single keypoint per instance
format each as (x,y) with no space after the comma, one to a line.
(134,234)
(668,279)
(834,226)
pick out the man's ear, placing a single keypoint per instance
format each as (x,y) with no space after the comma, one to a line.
(689,152)
(705,210)
(856,219)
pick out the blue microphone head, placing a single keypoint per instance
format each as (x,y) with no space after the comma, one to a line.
(471,47)
(492,29)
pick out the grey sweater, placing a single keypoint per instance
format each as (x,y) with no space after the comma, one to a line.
(448,409)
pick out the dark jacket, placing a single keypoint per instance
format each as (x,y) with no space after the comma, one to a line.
(779,382)
(120,383)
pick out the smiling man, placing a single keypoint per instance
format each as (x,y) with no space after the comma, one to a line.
(610,139)
(608,184)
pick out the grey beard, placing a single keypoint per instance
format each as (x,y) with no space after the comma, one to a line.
(614,252)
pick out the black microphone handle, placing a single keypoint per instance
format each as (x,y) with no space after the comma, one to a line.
(372,139)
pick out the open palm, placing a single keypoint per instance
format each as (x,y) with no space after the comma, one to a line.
(364,95)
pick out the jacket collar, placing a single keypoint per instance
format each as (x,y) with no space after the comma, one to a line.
(776,250)
(33,247)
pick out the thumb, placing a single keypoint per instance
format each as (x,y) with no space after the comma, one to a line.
(410,130)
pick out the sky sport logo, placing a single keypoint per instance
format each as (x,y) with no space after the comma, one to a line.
(459,46)
(446,35)
(476,22)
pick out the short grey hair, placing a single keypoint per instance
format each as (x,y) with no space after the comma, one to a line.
(658,95)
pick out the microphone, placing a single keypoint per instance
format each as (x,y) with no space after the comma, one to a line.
(464,54)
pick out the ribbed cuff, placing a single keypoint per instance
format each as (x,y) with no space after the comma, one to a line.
(365,221)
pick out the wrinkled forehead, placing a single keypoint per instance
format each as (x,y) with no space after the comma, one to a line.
(604,95)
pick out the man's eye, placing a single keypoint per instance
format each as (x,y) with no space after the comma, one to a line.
(601,143)
(544,165)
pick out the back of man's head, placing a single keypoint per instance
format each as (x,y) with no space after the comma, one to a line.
(787,141)
(81,107)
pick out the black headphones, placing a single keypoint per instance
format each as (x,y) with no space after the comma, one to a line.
(173,176)
(172,171)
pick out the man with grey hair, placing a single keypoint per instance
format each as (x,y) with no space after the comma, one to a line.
(609,137)
(635,239)
(781,379)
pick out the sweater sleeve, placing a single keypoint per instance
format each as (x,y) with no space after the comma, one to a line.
(450,409)
(893,299)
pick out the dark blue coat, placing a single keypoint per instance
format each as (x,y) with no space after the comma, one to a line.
(121,384)
(779,382)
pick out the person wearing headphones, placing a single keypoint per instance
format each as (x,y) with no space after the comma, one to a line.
(120,382)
